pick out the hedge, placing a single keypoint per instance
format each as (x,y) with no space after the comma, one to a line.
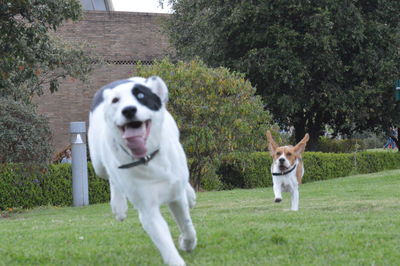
(245,170)
(241,170)
(26,188)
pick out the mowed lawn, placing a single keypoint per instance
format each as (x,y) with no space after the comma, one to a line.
(346,221)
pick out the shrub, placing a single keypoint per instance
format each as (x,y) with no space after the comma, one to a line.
(18,188)
(246,170)
(250,170)
(217,112)
(25,136)
(99,189)
(340,145)
(26,188)
(53,186)
(322,166)
(56,185)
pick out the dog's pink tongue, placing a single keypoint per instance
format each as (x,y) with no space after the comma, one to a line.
(135,140)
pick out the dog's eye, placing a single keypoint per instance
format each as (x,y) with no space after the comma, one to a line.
(288,154)
(279,153)
(140,95)
(115,100)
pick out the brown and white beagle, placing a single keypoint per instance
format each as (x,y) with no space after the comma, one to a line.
(287,169)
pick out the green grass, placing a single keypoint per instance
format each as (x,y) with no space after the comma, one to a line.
(347,221)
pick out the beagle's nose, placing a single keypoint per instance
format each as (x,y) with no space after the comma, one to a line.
(129,111)
(281,160)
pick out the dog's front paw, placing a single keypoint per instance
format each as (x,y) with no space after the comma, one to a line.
(277,200)
(120,216)
(119,209)
(119,213)
(187,244)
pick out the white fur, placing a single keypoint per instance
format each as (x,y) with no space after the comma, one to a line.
(163,180)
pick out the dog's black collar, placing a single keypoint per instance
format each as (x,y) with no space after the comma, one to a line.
(285,173)
(143,160)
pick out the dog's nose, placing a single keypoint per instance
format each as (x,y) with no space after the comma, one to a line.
(129,111)
(281,160)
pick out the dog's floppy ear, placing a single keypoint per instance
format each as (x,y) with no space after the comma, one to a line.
(300,147)
(272,146)
(158,86)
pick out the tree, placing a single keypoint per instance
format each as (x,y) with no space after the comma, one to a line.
(315,63)
(216,111)
(31,56)
(25,137)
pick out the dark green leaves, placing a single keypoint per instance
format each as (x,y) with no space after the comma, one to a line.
(25,136)
(31,57)
(216,111)
(315,63)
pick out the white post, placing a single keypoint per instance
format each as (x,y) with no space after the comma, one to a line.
(80,185)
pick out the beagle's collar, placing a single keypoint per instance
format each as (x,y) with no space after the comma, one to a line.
(285,173)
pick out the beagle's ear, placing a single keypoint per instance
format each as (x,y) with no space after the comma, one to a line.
(272,146)
(301,146)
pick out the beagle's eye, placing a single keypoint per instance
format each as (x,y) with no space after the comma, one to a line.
(289,154)
(279,153)
(140,95)
(115,100)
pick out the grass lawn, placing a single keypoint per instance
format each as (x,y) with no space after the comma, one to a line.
(347,221)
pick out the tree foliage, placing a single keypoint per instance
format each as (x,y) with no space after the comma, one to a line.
(31,56)
(216,111)
(315,63)
(25,137)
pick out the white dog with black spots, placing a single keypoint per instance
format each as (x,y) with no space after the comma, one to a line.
(134,143)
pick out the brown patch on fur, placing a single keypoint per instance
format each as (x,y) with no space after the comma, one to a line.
(299,172)
(289,153)
(272,146)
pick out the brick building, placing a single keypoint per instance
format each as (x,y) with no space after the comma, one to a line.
(122,38)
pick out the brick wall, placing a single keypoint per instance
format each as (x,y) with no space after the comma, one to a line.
(121,38)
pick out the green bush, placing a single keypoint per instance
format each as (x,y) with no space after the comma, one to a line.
(368,162)
(322,166)
(99,189)
(25,137)
(27,187)
(341,145)
(56,185)
(246,170)
(217,112)
(250,170)
(18,187)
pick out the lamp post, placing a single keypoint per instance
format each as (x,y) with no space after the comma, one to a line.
(80,185)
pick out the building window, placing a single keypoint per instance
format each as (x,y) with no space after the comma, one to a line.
(99,5)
